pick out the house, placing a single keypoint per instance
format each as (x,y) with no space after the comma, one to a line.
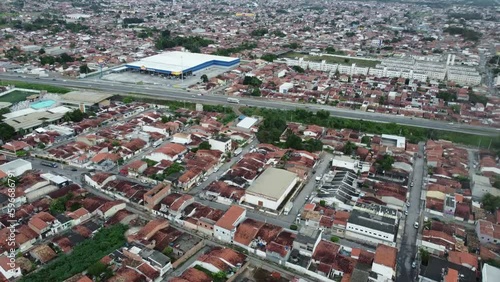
(43,253)
(170,152)
(108,209)
(189,178)
(9,270)
(488,232)
(384,263)
(307,241)
(222,144)
(156,194)
(181,138)
(136,168)
(221,259)
(225,227)
(15,146)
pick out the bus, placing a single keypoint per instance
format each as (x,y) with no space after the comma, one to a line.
(233,100)
(45,163)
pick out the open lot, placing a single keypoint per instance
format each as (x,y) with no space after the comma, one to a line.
(333,60)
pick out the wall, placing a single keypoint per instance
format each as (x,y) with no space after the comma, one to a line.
(189,254)
(240,271)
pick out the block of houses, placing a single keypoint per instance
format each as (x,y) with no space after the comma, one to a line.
(108,209)
(170,152)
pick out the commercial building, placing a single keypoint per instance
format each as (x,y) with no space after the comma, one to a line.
(271,188)
(85,100)
(29,119)
(373,224)
(177,63)
(16,167)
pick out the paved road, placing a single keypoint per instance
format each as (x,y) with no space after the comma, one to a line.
(182,95)
(408,248)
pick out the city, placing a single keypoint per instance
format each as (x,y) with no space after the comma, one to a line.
(249,141)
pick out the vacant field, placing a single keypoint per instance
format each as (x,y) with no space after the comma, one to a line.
(333,60)
(36,86)
(15,96)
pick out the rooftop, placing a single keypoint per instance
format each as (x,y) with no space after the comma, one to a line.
(280,180)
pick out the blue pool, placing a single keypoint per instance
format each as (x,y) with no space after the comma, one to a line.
(42,104)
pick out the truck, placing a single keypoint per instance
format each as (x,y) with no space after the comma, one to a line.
(237,151)
(233,100)
(288,207)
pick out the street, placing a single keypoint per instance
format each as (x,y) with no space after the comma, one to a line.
(182,95)
(408,248)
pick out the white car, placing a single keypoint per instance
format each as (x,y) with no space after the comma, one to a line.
(415,225)
(406,212)
(407,204)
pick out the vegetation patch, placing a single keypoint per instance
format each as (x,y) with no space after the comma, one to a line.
(82,256)
(36,86)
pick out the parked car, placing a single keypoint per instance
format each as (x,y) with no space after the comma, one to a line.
(413,264)
(415,225)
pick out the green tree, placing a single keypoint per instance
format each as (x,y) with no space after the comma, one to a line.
(6,132)
(424,255)
(335,239)
(128,100)
(349,148)
(323,114)
(204,146)
(85,69)
(256,92)
(366,140)
(252,80)
(204,78)
(298,69)
(294,227)
(269,57)
(293,141)
(96,269)
(491,203)
(168,251)
(385,163)
(41,51)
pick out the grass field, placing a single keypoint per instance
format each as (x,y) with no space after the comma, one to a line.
(15,96)
(333,60)
(35,86)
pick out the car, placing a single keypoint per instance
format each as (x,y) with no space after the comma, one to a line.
(406,212)
(54,79)
(413,264)
(415,225)
(407,204)
(73,169)
(314,172)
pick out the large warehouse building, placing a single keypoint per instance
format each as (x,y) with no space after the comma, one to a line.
(271,188)
(177,63)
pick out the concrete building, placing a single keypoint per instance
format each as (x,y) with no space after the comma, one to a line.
(384,263)
(271,188)
(221,144)
(225,227)
(373,224)
(487,232)
(16,167)
(481,186)
(307,240)
(489,273)
(85,100)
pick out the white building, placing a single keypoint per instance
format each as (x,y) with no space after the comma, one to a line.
(247,123)
(285,87)
(384,263)
(181,138)
(16,167)
(271,188)
(8,269)
(394,141)
(489,273)
(221,144)
(225,227)
(373,224)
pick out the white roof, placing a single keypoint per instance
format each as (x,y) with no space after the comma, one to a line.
(177,61)
(57,179)
(60,109)
(19,113)
(490,272)
(247,122)
(11,166)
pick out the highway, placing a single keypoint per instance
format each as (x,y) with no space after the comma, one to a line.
(178,94)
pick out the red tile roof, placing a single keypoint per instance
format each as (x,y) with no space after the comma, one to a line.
(386,255)
(232,214)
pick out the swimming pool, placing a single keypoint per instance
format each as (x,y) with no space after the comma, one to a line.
(42,104)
